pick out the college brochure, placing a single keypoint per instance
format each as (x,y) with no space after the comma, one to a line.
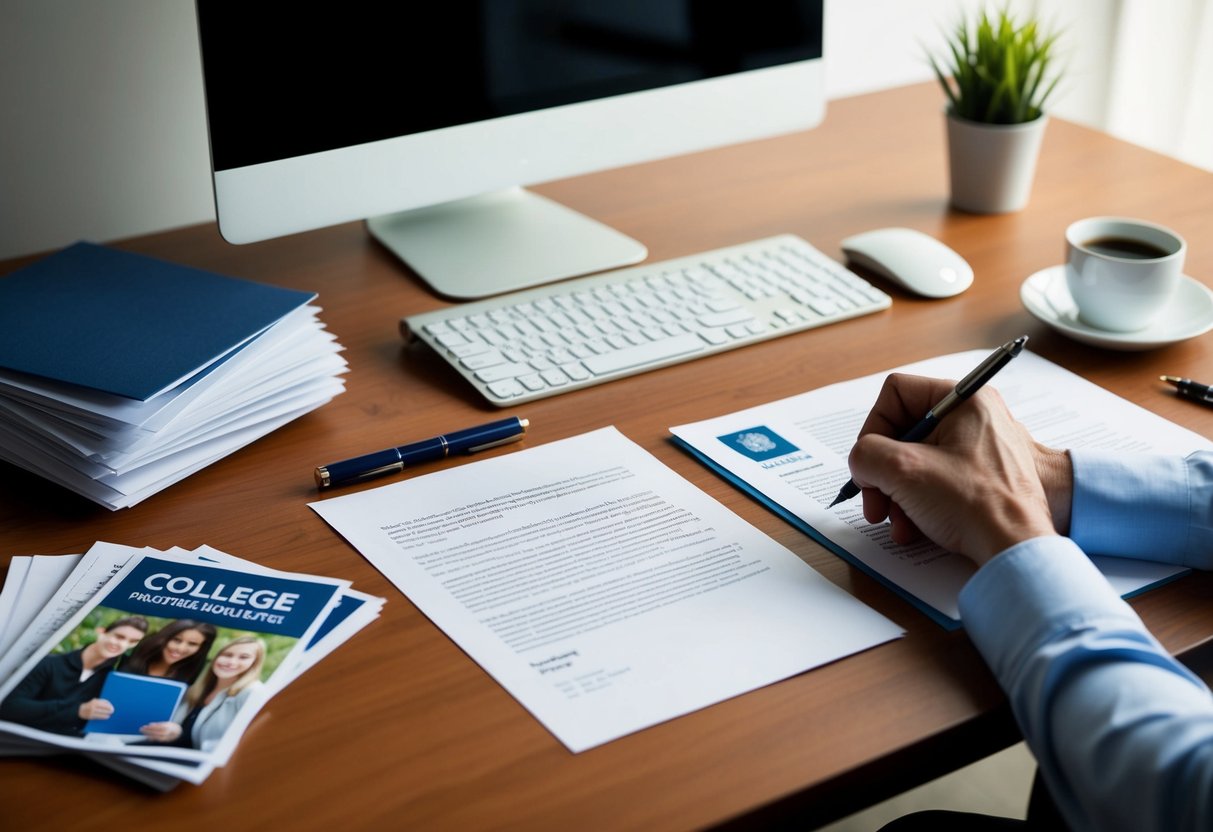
(255,630)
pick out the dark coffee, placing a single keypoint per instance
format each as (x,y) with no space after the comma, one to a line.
(1125,247)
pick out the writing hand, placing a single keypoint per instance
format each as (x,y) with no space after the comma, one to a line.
(974,486)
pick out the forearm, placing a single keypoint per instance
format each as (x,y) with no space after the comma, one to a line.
(1123,733)
(52,715)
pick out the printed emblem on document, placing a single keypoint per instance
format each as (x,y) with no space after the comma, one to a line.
(758,443)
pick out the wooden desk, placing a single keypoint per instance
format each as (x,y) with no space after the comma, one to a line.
(399,729)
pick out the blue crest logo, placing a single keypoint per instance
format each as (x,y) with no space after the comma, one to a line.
(758,443)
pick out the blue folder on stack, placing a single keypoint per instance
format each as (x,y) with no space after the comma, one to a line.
(120,373)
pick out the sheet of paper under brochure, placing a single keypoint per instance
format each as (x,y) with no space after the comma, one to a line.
(603,591)
(791,455)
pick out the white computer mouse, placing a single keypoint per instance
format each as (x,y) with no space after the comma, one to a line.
(916,261)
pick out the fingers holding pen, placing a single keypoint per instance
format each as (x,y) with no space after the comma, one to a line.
(972,486)
(902,401)
(885,469)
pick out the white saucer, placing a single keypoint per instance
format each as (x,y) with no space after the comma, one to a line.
(1190,313)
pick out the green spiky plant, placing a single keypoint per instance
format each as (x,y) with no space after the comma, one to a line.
(999,71)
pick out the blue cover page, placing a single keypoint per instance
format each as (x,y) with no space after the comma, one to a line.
(137,700)
(127,324)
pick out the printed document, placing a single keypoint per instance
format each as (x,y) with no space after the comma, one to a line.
(602,590)
(792,455)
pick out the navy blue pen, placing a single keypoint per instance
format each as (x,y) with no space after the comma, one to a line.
(391,460)
(966,387)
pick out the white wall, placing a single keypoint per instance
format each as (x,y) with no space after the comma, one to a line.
(876,44)
(103,133)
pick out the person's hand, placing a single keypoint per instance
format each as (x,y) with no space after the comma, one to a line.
(95,709)
(161,731)
(975,486)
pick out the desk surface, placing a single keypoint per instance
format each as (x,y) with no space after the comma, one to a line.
(400,729)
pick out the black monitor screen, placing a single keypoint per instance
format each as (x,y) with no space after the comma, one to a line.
(289,79)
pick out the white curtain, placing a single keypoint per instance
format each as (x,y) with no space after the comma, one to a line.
(1160,77)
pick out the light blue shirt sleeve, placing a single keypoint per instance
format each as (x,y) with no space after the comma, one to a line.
(1157,508)
(1122,732)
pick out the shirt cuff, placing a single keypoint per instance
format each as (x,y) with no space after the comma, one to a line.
(1131,505)
(1022,597)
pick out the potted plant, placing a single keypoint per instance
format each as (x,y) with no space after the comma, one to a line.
(997,76)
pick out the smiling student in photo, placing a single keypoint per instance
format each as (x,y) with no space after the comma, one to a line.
(177,651)
(61,693)
(212,702)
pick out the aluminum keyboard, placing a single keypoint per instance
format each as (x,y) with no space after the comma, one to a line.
(535,343)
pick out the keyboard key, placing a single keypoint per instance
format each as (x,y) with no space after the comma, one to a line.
(652,352)
(575,370)
(482,360)
(470,348)
(736,316)
(555,377)
(507,389)
(501,371)
(450,339)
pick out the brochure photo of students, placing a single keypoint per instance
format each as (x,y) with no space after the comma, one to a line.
(60,694)
(160,670)
(212,702)
(223,667)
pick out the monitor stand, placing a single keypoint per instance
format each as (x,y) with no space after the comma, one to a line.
(500,242)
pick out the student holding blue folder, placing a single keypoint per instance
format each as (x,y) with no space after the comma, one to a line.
(212,702)
(1122,732)
(60,694)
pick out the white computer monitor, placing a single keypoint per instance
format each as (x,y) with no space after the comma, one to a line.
(428,119)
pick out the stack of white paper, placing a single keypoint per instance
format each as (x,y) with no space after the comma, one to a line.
(120,375)
(53,608)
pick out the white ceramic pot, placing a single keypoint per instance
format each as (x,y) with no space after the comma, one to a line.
(992,165)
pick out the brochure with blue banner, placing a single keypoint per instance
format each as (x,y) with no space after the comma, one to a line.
(165,666)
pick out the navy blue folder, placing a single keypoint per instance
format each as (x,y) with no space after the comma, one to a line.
(127,324)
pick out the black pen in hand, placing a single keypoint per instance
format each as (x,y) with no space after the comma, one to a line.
(391,460)
(965,388)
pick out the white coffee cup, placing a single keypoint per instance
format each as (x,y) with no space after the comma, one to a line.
(1122,272)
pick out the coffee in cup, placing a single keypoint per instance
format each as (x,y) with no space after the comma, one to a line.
(1122,272)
